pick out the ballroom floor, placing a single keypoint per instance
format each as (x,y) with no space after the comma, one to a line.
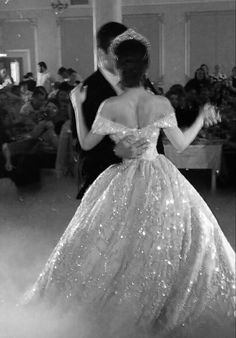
(32,223)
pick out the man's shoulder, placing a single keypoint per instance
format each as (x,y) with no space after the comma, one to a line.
(95,78)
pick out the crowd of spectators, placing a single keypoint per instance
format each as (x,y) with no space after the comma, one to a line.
(216,89)
(37,126)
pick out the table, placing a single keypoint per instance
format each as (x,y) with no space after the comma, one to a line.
(204,154)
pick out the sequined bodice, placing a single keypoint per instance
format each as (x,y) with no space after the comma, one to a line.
(118,131)
(150,132)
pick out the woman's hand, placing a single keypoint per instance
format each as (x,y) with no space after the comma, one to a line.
(79,93)
(210,115)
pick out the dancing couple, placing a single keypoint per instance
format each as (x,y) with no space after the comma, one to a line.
(143,255)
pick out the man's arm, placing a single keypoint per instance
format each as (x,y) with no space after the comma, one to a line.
(128,148)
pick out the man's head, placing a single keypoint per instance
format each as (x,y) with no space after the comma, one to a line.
(42,67)
(105,36)
(72,75)
(199,74)
(28,76)
(63,73)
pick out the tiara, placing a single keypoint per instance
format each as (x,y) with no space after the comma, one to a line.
(129,34)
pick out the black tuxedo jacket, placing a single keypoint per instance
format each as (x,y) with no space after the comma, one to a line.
(93,162)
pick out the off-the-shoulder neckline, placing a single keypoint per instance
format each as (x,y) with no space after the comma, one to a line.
(126,127)
(155,124)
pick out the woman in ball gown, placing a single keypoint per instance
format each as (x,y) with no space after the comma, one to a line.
(143,254)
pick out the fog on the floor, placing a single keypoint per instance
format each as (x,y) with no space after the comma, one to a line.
(21,260)
(29,230)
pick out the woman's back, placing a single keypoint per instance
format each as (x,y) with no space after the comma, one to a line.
(135,108)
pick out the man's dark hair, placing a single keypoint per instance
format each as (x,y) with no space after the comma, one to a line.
(71,71)
(42,64)
(39,90)
(61,70)
(107,33)
(28,75)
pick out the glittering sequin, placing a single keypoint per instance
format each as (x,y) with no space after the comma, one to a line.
(147,243)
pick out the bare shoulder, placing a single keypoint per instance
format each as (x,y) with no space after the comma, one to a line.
(108,107)
(161,100)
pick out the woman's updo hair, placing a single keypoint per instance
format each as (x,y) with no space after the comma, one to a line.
(132,61)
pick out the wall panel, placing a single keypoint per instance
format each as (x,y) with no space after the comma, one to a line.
(20,35)
(212,40)
(77,44)
(150,25)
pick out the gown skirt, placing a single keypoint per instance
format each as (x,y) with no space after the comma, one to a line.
(144,257)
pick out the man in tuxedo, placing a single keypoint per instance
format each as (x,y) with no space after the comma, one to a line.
(101,85)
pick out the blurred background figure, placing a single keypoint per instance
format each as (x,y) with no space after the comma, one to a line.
(62,74)
(200,80)
(5,79)
(30,80)
(231,83)
(218,75)
(74,77)
(44,78)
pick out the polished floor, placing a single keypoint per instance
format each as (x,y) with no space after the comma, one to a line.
(32,221)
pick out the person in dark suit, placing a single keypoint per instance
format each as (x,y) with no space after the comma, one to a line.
(101,85)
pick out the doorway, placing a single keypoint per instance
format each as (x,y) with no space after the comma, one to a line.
(14,67)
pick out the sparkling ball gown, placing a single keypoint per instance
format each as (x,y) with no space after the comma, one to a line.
(143,254)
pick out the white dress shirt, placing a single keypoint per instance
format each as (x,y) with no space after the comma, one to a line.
(44,79)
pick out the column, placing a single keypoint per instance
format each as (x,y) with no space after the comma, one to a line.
(104,11)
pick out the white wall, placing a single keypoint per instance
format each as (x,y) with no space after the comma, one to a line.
(175,49)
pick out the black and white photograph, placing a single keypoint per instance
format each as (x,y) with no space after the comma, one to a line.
(117,168)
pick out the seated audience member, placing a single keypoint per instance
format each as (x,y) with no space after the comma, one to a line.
(205,68)
(62,74)
(178,89)
(39,133)
(25,93)
(15,101)
(20,170)
(197,82)
(4,138)
(6,122)
(74,78)
(65,86)
(185,105)
(36,117)
(62,101)
(29,79)
(217,75)
(7,111)
(6,80)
